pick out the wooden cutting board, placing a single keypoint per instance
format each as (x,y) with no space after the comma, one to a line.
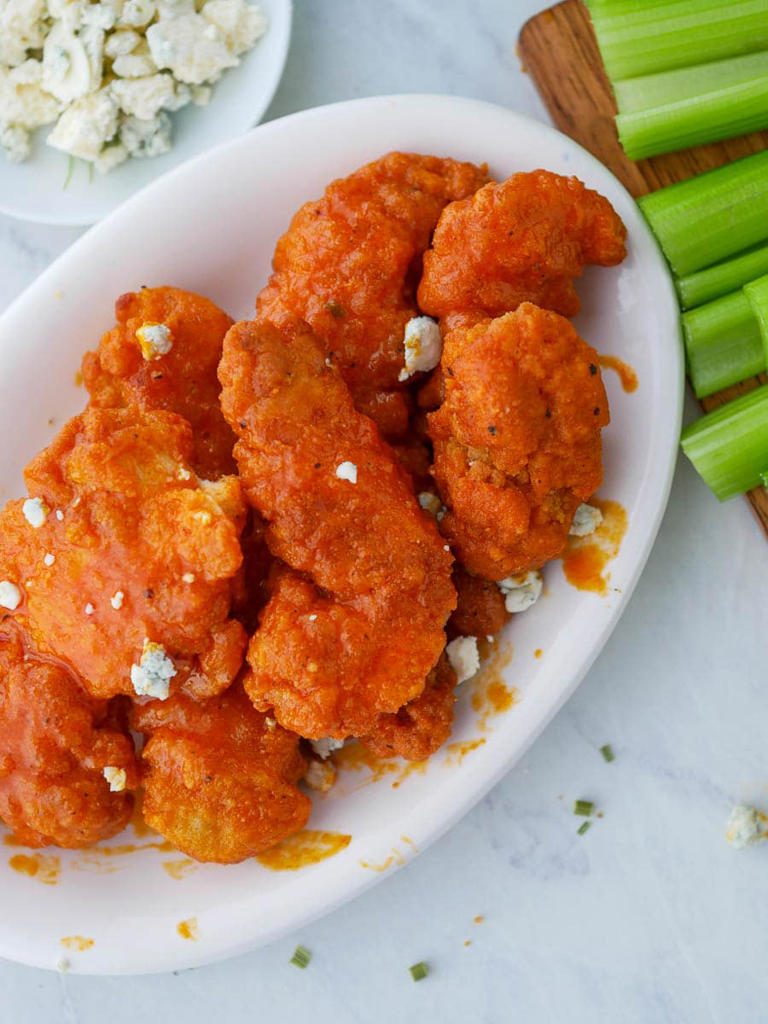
(559,50)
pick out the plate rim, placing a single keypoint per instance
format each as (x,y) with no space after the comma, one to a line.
(336,895)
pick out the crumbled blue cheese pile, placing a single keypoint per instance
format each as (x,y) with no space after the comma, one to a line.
(106,73)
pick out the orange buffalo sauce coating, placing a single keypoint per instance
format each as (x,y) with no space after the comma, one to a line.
(626,374)
(304,848)
(586,558)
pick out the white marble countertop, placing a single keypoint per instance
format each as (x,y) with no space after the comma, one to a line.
(651,916)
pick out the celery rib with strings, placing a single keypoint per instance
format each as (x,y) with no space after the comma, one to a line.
(723,344)
(642,37)
(721,279)
(729,446)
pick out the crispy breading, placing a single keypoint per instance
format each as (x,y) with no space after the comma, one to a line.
(517,438)
(420,727)
(182,380)
(354,626)
(55,742)
(521,240)
(480,608)
(220,777)
(349,265)
(132,549)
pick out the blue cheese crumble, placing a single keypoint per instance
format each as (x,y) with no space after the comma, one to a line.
(155,340)
(521,592)
(35,512)
(744,826)
(347,471)
(585,521)
(10,595)
(423,346)
(116,778)
(152,676)
(104,73)
(464,657)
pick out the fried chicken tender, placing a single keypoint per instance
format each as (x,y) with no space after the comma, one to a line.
(55,743)
(123,559)
(419,728)
(517,439)
(220,777)
(480,608)
(355,624)
(521,240)
(133,366)
(349,265)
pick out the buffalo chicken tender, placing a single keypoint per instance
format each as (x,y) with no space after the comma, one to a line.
(163,354)
(521,240)
(419,728)
(350,263)
(66,770)
(220,777)
(480,608)
(354,622)
(122,560)
(517,439)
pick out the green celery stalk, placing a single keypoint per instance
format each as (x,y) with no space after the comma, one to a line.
(729,446)
(721,279)
(671,88)
(723,344)
(711,216)
(641,37)
(756,293)
(764,478)
(692,106)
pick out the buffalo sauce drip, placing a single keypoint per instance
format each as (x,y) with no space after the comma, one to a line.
(627,375)
(306,847)
(585,558)
(490,694)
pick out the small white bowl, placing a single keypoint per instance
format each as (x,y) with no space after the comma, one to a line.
(35,190)
(211,226)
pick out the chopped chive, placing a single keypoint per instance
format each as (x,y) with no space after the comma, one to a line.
(91,170)
(583,807)
(419,971)
(301,957)
(583,827)
(70,169)
(607,752)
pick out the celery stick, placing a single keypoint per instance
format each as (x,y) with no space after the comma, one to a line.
(764,478)
(670,88)
(723,344)
(723,278)
(711,216)
(641,37)
(691,106)
(756,293)
(729,446)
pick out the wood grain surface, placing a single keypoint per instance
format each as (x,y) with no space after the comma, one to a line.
(559,51)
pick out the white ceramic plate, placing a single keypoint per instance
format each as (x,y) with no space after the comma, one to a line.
(211,226)
(34,190)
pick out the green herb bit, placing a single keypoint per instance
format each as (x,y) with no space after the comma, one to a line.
(70,170)
(419,971)
(335,309)
(607,752)
(583,807)
(301,957)
(583,827)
